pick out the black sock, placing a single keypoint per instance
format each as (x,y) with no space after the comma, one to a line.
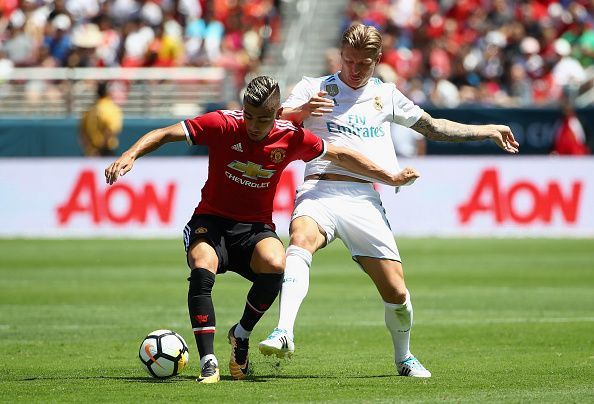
(262,294)
(202,313)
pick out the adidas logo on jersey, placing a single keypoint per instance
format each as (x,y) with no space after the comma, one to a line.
(237,147)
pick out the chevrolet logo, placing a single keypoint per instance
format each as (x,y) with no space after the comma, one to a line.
(251,170)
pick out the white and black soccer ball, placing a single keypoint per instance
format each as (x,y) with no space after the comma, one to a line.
(164,353)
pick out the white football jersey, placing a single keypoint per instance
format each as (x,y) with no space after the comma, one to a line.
(360,119)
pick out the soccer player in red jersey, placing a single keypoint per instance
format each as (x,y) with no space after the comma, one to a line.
(232,228)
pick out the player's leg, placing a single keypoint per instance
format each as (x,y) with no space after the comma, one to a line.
(306,238)
(312,227)
(365,230)
(264,267)
(268,263)
(203,260)
(206,254)
(388,277)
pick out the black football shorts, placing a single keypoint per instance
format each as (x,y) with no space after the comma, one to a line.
(234,242)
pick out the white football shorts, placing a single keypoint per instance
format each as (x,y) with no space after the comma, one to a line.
(350,211)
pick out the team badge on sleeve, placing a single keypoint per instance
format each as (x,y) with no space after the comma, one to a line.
(378,104)
(332,89)
(278,155)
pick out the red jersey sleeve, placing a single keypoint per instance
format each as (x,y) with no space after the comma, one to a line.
(202,130)
(311,146)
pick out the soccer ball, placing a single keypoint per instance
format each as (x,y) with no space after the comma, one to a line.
(163,353)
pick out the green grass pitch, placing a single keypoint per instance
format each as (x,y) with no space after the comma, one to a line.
(496,320)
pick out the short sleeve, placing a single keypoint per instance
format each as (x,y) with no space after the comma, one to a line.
(405,112)
(312,147)
(203,129)
(301,93)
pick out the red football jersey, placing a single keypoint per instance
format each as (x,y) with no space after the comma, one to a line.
(243,174)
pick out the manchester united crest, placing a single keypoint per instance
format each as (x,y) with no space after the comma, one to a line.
(378,104)
(278,155)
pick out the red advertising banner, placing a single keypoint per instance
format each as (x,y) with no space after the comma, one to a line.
(455,196)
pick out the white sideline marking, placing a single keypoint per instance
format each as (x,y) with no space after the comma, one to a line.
(508,320)
(553,320)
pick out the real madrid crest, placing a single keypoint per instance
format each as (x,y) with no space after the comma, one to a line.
(332,90)
(378,104)
(278,155)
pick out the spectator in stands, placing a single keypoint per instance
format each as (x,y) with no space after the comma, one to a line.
(58,38)
(137,43)
(581,36)
(568,73)
(20,46)
(107,50)
(570,139)
(85,40)
(519,87)
(100,125)
(204,39)
(165,50)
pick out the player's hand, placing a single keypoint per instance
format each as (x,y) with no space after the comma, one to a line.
(118,168)
(405,177)
(319,105)
(503,137)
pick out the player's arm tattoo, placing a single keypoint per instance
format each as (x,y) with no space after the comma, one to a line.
(445,130)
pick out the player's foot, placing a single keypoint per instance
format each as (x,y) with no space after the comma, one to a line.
(278,343)
(412,367)
(239,363)
(209,373)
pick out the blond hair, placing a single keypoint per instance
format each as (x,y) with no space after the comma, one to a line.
(359,36)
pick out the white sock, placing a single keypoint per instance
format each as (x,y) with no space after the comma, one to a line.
(399,319)
(241,332)
(295,286)
(205,359)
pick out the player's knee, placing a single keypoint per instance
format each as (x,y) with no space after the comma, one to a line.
(401,295)
(202,256)
(304,240)
(197,259)
(397,296)
(273,264)
(201,262)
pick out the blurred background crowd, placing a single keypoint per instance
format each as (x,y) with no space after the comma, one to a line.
(137,33)
(497,52)
(445,53)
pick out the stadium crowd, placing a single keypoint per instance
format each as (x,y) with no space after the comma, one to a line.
(491,52)
(444,53)
(134,33)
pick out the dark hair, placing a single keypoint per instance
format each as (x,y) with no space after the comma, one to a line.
(101,89)
(262,90)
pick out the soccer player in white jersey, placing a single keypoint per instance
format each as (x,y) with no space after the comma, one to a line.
(354,110)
